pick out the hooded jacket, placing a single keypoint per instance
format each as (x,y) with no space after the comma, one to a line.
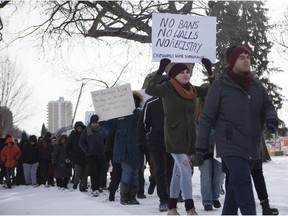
(237,116)
(10,154)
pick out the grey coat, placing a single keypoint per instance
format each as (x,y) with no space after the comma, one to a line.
(237,116)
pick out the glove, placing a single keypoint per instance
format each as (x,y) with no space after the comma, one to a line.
(143,148)
(272,125)
(163,64)
(196,160)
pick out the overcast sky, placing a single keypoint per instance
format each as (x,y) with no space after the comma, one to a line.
(52,74)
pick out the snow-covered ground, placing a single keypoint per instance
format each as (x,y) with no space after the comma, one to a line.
(25,200)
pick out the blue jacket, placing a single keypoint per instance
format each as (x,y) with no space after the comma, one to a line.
(237,116)
(125,143)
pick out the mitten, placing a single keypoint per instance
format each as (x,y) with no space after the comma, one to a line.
(196,160)
(272,125)
(163,64)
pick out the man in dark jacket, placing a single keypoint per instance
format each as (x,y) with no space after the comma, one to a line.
(77,156)
(236,105)
(92,142)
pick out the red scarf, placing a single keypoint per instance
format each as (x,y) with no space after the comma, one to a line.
(242,79)
(187,94)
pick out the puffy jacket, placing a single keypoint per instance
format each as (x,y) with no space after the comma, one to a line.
(237,116)
(10,155)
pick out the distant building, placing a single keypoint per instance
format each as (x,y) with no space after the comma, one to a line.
(59,114)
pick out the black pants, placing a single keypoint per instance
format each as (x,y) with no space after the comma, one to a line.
(96,164)
(259,181)
(164,163)
(115,177)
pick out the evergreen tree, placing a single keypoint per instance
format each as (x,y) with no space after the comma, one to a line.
(43,130)
(245,22)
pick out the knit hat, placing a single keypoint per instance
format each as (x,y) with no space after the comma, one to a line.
(94,118)
(79,124)
(176,69)
(10,140)
(233,53)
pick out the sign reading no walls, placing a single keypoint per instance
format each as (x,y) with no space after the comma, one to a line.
(113,102)
(183,38)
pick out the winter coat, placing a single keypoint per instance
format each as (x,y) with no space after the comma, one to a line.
(10,155)
(125,142)
(46,149)
(179,120)
(93,144)
(73,150)
(151,120)
(30,153)
(237,116)
(60,167)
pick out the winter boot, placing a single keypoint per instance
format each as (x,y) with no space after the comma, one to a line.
(132,198)
(266,210)
(190,208)
(124,193)
(111,195)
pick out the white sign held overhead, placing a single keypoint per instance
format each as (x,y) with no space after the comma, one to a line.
(183,38)
(113,102)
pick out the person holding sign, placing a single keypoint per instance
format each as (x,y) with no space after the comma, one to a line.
(126,151)
(179,100)
(236,106)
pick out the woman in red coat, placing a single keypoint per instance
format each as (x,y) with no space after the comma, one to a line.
(10,154)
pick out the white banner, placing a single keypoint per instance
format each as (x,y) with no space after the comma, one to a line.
(183,38)
(113,102)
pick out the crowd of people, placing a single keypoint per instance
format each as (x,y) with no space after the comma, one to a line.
(216,127)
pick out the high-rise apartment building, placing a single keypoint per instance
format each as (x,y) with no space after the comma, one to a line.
(59,114)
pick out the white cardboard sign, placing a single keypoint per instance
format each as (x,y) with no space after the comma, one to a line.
(113,102)
(183,38)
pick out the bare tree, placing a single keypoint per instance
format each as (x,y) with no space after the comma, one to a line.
(2,5)
(14,95)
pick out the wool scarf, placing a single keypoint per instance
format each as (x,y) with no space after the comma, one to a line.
(90,129)
(242,79)
(187,94)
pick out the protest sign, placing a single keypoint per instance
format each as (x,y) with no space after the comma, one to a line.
(113,102)
(183,38)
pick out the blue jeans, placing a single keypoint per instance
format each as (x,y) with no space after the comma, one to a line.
(130,173)
(239,192)
(181,177)
(30,173)
(211,179)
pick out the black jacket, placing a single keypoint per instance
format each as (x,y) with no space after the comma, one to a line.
(151,123)
(30,153)
(73,150)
